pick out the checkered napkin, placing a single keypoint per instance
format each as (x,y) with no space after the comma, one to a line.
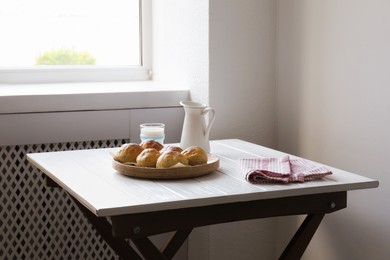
(281,170)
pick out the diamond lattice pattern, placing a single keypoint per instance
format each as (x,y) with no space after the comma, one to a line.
(37,222)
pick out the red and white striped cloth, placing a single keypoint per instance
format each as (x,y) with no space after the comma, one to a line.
(281,170)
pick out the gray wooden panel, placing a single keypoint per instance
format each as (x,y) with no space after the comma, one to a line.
(38,128)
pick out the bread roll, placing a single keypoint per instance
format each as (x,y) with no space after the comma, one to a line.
(148,158)
(195,155)
(169,159)
(128,153)
(171,148)
(151,144)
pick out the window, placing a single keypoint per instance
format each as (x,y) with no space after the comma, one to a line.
(74,40)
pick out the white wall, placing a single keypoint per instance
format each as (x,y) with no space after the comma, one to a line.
(180,45)
(333,107)
(224,51)
(242,69)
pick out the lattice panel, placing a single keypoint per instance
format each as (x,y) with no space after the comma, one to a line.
(37,222)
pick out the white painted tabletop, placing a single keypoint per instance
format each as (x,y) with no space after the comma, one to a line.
(89,177)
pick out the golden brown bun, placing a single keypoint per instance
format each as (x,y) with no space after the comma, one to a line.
(170,158)
(171,148)
(128,153)
(148,158)
(151,144)
(195,155)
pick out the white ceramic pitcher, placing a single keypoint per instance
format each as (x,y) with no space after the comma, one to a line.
(195,128)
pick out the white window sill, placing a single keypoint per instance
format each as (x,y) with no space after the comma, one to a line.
(31,98)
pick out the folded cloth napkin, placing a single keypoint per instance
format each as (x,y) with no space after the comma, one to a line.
(281,170)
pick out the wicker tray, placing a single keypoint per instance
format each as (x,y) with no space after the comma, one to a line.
(169,173)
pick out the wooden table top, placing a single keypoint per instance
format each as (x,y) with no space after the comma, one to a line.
(89,177)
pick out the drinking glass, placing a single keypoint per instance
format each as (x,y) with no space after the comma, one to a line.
(154,131)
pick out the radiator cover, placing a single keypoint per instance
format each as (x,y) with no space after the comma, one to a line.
(37,222)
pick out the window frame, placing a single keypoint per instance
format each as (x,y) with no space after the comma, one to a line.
(64,74)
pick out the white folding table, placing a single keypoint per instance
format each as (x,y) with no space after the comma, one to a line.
(139,208)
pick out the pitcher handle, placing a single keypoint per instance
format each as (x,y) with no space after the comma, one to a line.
(211,118)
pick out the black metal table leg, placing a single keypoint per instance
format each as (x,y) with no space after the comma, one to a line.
(302,237)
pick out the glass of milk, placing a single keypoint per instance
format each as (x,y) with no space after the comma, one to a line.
(153,131)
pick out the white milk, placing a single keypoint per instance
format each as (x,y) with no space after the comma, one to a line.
(152,131)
